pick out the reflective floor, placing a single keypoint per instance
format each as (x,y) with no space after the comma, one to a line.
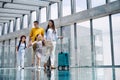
(71,74)
(33,74)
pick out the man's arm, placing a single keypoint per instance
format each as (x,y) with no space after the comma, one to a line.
(43,32)
(30,35)
(30,38)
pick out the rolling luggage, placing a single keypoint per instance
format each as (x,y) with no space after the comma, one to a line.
(63,57)
(63,61)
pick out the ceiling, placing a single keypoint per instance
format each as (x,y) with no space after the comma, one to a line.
(11,9)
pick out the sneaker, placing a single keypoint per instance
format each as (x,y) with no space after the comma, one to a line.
(18,66)
(38,67)
(22,67)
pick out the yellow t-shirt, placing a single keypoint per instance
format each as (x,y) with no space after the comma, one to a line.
(35,31)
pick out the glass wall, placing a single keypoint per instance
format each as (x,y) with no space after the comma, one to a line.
(117,72)
(101,40)
(18,24)
(96,3)
(43,15)
(0,29)
(116,37)
(66,7)
(6,56)
(11,26)
(54,11)
(33,17)
(25,21)
(112,0)
(0,54)
(6,27)
(84,44)
(12,53)
(103,74)
(79,6)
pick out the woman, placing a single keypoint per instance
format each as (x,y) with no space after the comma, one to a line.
(51,35)
(20,49)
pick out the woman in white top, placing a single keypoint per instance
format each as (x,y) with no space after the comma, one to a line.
(51,35)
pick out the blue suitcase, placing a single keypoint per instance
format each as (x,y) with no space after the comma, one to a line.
(63,61)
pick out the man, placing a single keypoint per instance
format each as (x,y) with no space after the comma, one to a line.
(33,33)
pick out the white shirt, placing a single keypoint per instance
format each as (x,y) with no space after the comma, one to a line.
(51,35)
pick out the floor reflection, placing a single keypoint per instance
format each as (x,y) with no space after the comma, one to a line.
(33,74)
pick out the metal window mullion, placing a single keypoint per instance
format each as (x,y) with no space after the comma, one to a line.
(38,15)
(8,30)
(112,47)
(75,43)
(92,49)
(14,27)
(89,4)
(3,29)
(22,21)
(9,53)
(107,1)
(2,64)
(60,9)
(30,19)
(48,12)
(73,6)
(15,51)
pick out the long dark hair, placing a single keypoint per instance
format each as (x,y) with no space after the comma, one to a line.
(21,41)
(53,26)
(43,42)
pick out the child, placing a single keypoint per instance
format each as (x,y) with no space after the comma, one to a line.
(38,44)
(20,49)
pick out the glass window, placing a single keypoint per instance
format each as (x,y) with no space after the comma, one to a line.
(81,73)
(84,44)
(98,2)
(18,24)
(112,0)
(101,40)
(79,6)
(54,11)
(6,27)
(66,7)
(43,15)
(6,56)
(33,17)
(117,72)
(116,37)
(1,29)
(0,54)
(67,42)
(103,74)
(11,26)
(12,54)
(25,21)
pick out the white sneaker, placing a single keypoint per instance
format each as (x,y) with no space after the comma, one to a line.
(18,67)
(38,67)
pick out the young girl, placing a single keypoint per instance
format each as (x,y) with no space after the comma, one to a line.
(38,44)
(21,51)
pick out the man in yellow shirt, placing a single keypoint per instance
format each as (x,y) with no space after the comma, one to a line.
(33,33)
